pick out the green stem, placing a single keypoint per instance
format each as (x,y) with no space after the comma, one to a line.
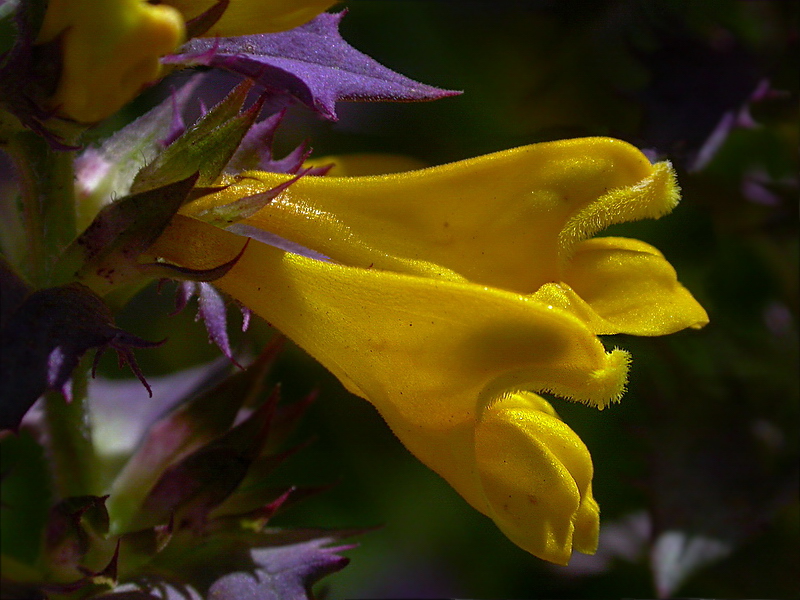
(48,201)
(70,443)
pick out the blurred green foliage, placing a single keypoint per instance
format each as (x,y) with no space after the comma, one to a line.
(706,440)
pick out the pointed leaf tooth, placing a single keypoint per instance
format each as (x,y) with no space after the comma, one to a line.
(107,576)
(219,114)
(252,492)
(177,127)
(198,25)
(243,512)
(95,515)
(126,357)
(247,314)
(264,466)
(184,292)
(270,509)
(256,145)
(227,214)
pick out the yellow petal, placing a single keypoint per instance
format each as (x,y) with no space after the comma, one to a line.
(437,358)
(110,50)
(247,17)
(355,165)
(621,285)
(437,349)
(505,220)
(536,474)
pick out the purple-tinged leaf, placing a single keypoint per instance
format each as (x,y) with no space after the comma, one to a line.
(212,309)
(185,292)
(272,239)
(204,479)
(287,418)
(311,64)
(190,430)
(122,343)
(92,582)
(282,572)
(255,151)
(247,314)
(183,430)
(45,338)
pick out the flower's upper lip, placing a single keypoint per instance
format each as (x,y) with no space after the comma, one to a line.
(507,220)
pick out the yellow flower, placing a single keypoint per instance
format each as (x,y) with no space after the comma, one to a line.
(452,292)
(111,48)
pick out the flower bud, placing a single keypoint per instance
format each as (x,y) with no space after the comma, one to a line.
(110,51)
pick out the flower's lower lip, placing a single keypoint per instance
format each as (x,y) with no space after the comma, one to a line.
(276,241)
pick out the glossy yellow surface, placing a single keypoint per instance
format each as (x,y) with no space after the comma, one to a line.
(454,292)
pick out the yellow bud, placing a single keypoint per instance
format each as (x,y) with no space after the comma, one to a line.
(110,51)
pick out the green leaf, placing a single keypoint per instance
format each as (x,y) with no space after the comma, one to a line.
(106,254)
(206,147)
(188,429)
